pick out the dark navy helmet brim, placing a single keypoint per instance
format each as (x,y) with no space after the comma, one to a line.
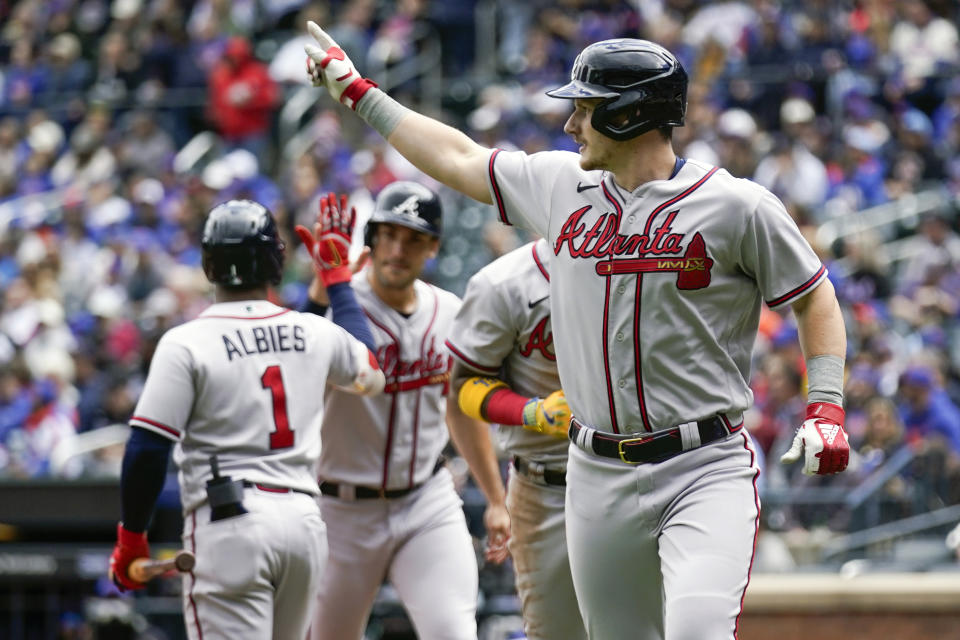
(578,89)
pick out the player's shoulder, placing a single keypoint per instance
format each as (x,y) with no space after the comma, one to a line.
(180,334)
(514,266)
(228,314)
(723,184)
(554,160)
(444,297)
(568,162)
(305,318)
(189,337)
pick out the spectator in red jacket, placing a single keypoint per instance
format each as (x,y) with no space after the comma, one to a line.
(242,98)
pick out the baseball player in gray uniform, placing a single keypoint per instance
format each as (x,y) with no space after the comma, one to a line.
(390,505)
(659,270)
(237,394)
(505,371)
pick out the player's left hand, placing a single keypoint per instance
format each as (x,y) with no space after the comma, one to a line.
(821,441)
(550,415)
(496,521)
(329,244)
(129,547)
(328,66)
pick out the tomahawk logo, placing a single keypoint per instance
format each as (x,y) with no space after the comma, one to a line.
(828,432)
(409,207)
(692,268)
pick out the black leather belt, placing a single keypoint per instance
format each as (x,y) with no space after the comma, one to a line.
(338,490)
(272,488)
(538,472)
(650,447)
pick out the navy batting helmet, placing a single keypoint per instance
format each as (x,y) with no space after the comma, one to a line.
(241,246)
(409,204)
(644,86)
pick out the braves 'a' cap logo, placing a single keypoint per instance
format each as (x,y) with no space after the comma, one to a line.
(409,207)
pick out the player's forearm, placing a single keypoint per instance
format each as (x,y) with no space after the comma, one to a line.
(348,314)
(471,438)
(317,293)
(824,343)
(438,150)
(820,323)
(443,153)
(142,476)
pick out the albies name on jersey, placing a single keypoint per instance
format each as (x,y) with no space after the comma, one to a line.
(264,339)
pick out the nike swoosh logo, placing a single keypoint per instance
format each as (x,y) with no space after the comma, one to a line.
(532,303)
(581,188)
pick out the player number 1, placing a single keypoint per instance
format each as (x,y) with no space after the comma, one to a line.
(272,379)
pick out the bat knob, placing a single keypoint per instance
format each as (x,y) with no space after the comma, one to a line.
(185,561)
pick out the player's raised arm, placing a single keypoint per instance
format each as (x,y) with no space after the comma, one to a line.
(440,151)
(329,245)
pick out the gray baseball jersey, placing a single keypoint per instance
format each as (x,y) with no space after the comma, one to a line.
(504,330)
(419,541)
(393,440)
(671,276)
(244,380)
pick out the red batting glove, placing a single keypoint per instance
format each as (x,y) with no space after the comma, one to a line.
(821,440)
(329,244)
(129,547)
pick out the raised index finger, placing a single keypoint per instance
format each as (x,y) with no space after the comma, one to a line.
(320,35)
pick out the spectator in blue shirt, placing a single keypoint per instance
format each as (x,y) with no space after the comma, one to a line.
(926,409)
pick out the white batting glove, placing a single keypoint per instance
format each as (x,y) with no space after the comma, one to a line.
(330,67)
(821,441)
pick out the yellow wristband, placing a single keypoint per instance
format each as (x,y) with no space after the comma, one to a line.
(474,391)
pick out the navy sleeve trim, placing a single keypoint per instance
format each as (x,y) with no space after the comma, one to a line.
(799,291)
(496,188)
(471,363)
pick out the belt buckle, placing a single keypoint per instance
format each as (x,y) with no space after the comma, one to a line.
(639,440)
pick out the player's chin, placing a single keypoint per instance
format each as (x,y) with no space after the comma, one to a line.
(587,161)
(397,278)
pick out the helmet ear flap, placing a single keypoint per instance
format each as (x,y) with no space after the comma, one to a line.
(271,262)
(369,232)
(620,117)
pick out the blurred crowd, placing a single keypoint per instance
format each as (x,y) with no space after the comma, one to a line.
(123,121)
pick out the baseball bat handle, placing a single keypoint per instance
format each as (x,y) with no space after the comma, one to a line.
(145,569)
